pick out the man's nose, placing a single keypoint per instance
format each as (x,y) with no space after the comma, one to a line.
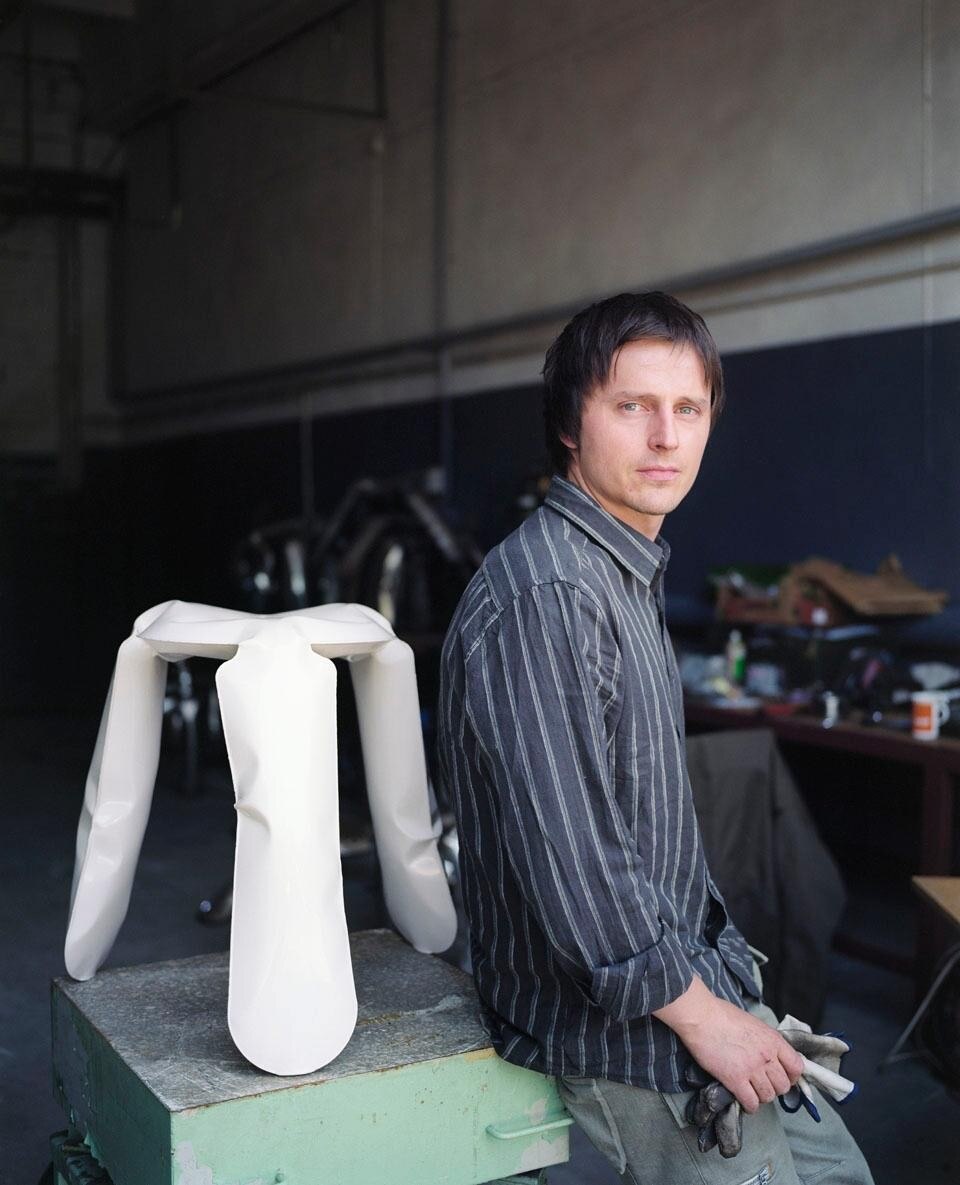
(663,431)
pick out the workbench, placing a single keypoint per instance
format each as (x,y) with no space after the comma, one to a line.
(150,1081)
(942,892)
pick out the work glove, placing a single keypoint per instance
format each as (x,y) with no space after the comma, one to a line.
(822,1054)
(715,1113)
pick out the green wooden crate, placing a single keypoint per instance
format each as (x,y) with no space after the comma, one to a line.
(72,1164)
(145,1070)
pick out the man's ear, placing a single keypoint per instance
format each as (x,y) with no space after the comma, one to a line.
(569,442)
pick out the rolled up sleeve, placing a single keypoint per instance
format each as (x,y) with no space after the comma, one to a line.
(542,695)
(644,982)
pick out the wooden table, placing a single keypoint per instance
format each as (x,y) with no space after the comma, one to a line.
(938,762)
(941,891)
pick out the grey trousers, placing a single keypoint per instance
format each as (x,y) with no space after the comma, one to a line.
(645,1135)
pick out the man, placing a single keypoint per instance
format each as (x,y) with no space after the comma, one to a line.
(602,950)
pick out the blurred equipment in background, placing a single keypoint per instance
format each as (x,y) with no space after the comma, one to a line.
(191,717)
(819,592)
(390,542)
(386,544)
(532,493)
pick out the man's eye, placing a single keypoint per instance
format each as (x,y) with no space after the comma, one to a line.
(630,406)
(689,410)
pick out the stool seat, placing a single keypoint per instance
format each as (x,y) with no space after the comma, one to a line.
(146,1071)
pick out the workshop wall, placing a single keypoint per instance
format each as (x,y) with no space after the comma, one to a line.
(817,453)
(653,141)
(845,448)
(583,153)
(784,476)
(275,234)
(32,296)
(579,153)
(28,337)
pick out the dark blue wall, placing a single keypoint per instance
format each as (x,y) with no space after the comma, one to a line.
(847,448)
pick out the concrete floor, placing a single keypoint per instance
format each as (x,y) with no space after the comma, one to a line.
(904,1119)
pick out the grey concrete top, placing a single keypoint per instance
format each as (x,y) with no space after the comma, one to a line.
(168,1021)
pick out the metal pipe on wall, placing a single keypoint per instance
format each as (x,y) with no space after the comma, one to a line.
(380,59)
(26,113)
(69,354)
(116,298)
(441,155)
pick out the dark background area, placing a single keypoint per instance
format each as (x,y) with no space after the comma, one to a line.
(820,451)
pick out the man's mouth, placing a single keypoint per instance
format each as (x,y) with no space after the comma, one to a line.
(659,473)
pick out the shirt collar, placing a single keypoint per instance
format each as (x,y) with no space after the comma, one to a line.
(637,553)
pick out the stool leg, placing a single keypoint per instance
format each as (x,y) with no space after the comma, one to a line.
(414,886)
(292,1005)
(116,804)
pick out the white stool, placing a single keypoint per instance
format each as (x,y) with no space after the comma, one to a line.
(292,1005)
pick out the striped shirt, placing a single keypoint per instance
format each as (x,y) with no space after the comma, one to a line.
(562,748)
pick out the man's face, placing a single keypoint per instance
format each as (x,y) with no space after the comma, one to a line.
(643,432)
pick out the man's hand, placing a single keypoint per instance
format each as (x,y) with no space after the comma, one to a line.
(749,1057)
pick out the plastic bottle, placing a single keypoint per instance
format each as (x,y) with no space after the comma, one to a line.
(736,657)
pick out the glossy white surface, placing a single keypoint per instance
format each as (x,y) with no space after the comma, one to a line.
(292,1004)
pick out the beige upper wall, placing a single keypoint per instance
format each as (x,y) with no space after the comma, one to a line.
(943,100)
(301,232)
(652,146)
(591,148)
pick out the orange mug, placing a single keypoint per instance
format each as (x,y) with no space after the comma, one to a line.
(930,710)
